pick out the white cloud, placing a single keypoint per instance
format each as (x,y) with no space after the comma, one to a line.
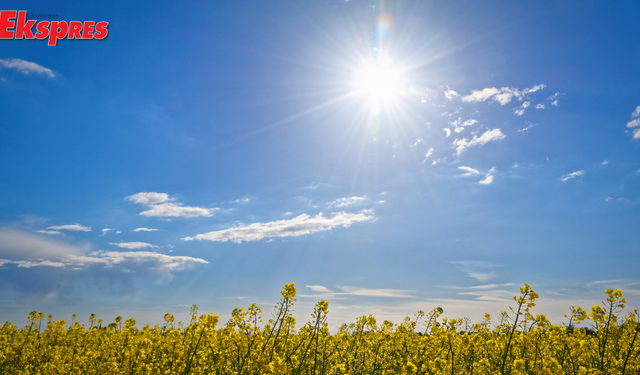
(539,106)
(520,111)
(448,131)
(429,153)
(469,122)
(159,207)
(177,210)
(554,96)
(28,250)
(347,290)
(25,67)
(633,123)
(450,94)
(297,226)
(608,199)
(502,96)
(636,134)
(481,96)
(316,185)
(243,200)
(133,245)
(469,170)
(105,230)
(487,180)
(572,175)
(459,125)
(319,289)
(636,113)
(73,227)
(526,128)
(144,230)
(476,269)
(344,202)
(488,136)
(418,140)
(48,231)
(367,292)
(288,213)
(605,162)
(149,198)
(488,295)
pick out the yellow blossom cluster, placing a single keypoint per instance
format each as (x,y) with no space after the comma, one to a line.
(518,343)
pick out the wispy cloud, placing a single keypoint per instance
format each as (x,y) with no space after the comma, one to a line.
(242,200)
(133,245)
(447,131)
(520,110)
(459,126)
(316,185)
(488,178)
(450,94)
(344,202)
(48,231)
(553,99)
(635,123)
(319,289)
(177,210)
(149,198)
(27,250)
(498,295)
(144,230)
(488,136)
(470,171)
(429,153)
(571,175)
(502,96)
(25,67)
(418,140)
(367,292)
(477,269)
(526,128)
(159,206)
(72,227)
(297,226)
(347,290)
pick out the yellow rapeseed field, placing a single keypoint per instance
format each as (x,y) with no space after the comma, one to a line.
(517,343)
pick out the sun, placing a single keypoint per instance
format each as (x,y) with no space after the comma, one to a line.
(380,84)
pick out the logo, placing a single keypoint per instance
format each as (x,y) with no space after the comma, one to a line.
(15,25)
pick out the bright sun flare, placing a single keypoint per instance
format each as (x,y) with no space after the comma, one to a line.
(380,84)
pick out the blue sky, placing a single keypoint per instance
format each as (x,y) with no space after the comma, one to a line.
(386,156)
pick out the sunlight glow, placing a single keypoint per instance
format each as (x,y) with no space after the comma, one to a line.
(381,84)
